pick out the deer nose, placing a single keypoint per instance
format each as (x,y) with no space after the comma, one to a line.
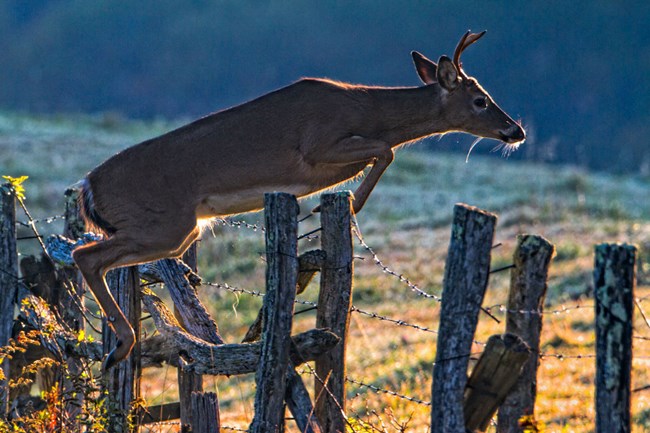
(513,134)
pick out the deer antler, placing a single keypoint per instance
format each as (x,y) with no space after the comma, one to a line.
(467,40)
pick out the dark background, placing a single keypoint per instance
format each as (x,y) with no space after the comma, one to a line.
(577,73)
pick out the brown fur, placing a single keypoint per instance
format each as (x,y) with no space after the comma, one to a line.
(300,139)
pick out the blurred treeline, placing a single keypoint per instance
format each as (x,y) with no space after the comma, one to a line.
(576,72)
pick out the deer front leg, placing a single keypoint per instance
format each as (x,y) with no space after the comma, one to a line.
(357,149)
(379,165)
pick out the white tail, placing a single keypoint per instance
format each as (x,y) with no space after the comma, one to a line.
(300,139)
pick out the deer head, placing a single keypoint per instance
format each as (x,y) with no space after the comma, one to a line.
(468,107)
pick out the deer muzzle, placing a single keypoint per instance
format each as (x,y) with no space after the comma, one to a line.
(514,134)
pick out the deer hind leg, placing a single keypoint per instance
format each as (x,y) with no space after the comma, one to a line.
(96,259)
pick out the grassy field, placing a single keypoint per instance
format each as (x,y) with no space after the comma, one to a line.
(407,223)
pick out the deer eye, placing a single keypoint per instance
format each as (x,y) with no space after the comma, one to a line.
(480,102)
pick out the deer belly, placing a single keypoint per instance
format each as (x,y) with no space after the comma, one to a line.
(245,200)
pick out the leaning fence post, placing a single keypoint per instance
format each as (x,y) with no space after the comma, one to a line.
(528,283)
(334,302)
(8,281)
(280,217)
(466,277)
(123,380)
(492,379)
(614,281)
(299,403)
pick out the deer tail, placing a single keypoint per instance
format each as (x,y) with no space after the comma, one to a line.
(93,219)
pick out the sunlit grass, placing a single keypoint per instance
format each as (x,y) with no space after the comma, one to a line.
(406,221)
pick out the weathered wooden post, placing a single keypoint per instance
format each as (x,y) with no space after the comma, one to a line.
(493,377)
(205,413)
(280,215)
(123,380)
(299,402)
(614,281)
(194,318)
(8,281)
(72,302)
(334,303)
(528,283)
(466,276)
(190,383)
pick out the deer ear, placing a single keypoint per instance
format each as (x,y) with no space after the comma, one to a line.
(425,67)
(447,74)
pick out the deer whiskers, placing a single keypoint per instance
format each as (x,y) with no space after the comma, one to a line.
(506,148)
(472,148)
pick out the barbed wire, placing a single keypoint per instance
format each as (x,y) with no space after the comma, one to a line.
(233,428)
(499,307)
(400,322)
(357,232)
(256,293)
(46,220)
(643,298)
(502,308)
(173,423)
(397,322)
(403,323)
(355,309)
(562,356)
(67,283)
(379,390)
(239,224)
(227,222)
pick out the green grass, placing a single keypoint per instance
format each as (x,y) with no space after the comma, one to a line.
(406,221)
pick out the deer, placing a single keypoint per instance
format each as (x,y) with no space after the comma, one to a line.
(309,136)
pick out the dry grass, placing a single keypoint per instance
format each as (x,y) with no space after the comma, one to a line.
(407,223)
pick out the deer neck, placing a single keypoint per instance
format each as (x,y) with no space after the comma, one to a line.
(408,114)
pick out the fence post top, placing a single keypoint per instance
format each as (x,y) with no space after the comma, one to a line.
(604,247)
(528,243)
(463,207)
(346,193)
(281,199)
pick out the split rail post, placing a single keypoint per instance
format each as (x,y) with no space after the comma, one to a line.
(334,304)
(466,277)
(281,222)
(123,380)
(614,281)
(528,284)
(8,281)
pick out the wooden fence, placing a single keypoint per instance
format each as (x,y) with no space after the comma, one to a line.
(504,377)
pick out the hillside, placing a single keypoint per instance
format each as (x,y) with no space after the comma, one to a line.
(406,222)
(575,72)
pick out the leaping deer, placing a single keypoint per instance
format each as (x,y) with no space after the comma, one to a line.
(301,139)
